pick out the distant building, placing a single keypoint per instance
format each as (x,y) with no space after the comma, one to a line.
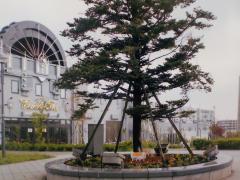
(111,122)
(77,128)
(228,125)
(34,60)
(195,126)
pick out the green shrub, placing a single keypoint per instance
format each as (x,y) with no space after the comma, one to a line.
(60,147)
(11,146)
(230,143)
(15,146)
(175,146)
(149,144)
(126,143)
(79,146)
(40,147)
(25,146)
(201,144)
(125,146)
(68,147)
(51,147)
(109,147)
(223,143)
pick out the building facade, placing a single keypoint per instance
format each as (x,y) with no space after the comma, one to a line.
(34,60)
(195,126)
(110,124)
(228,125)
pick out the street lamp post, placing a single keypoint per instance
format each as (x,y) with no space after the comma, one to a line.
(3,59)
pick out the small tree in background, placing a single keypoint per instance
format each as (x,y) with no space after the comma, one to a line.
(138,50)
(79,114)
(38,119)
(216,131)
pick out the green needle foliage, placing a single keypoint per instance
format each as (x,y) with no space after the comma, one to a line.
(142,43)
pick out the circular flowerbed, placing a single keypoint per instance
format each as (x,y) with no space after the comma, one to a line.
(151,161)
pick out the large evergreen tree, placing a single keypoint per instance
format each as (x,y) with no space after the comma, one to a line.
(143,44)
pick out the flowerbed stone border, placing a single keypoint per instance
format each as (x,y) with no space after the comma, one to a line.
(220,167)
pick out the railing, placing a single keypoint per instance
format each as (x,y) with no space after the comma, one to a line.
(29,65)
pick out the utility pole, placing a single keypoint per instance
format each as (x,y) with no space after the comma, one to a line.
(3,59)
(238,118)
(2,110)
(198,114)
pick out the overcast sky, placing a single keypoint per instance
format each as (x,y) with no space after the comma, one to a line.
(221,57)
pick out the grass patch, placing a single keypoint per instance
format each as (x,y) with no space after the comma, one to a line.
(16,157)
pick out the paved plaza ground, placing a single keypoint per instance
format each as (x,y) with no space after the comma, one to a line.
(236,164)
(34,170)
(31,170)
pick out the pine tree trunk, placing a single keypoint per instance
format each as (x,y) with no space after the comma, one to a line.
(137,146)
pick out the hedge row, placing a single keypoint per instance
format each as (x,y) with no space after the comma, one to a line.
(201,144)
(123,146)
(223,143)
(15,146)
(127,146)
(175,146)
(231,143)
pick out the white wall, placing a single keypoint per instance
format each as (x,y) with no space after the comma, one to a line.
(114,113)
(201,120)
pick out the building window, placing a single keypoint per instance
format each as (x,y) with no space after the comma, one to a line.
(63,93)
(38,90)
(51,86)
(15,86)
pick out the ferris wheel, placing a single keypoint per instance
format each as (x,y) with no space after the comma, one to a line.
(34,41)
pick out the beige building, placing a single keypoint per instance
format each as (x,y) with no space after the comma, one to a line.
(228,125)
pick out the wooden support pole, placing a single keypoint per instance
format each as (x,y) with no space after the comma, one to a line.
(175,128)
(153,124)
(100,120)
(122,120)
